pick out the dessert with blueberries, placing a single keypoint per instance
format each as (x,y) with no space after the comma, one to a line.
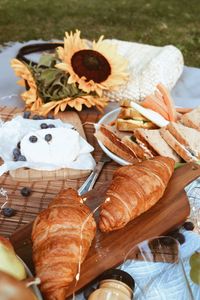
(57,146)
(42,143)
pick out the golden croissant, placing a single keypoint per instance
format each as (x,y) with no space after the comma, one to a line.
(133,190)
(62,235)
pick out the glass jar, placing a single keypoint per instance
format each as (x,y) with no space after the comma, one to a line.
(114,284)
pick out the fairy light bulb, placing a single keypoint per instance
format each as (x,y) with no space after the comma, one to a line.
(107,200)
(3,193)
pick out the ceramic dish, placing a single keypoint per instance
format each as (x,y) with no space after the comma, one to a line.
(106,119)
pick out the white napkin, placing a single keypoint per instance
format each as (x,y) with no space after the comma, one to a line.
(11,132)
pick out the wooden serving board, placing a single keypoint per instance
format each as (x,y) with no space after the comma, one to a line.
(110,249)
(25,174)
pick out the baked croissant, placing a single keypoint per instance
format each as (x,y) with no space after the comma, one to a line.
(62,235)
(133,190)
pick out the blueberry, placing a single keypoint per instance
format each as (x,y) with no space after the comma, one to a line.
(21,158)
(19,145)
(188,226)
(49,116)
(179,237)
(33,139)
(43,126)
(16,152)
(26,114)
(36,117)
(8,211)
(51,126)
(26,191)
(48,137)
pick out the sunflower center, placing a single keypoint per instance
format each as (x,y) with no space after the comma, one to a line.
(91,64)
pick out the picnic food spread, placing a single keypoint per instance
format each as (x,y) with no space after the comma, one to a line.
(149,133)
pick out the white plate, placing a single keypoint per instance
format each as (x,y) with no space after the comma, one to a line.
(106,119)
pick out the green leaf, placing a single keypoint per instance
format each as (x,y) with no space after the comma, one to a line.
(52,83)
(48,76)
(46,60)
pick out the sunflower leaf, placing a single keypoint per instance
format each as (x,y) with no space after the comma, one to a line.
(47,60)
(48,76)
(52,83)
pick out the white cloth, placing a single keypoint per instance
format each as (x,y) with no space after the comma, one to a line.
(186,93)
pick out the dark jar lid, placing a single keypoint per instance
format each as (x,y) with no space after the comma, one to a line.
(119,275)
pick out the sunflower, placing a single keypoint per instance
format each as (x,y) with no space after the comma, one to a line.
(30,97)
(46,93)
(95,68)
(76,103)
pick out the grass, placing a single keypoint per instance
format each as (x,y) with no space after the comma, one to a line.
(156,22)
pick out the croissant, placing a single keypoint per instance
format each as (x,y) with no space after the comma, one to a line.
(62,235)
(133,190)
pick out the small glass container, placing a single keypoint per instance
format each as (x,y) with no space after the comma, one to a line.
(114,284)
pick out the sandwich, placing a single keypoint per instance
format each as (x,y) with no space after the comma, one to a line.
(139,151)
(110,140)
(182,139)
(156,110)
(129,118)
(192,119)
(153,144)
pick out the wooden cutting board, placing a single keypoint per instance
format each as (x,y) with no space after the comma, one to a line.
(109,250)
(25,174)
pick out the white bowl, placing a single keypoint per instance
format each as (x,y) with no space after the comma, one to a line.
(105,120)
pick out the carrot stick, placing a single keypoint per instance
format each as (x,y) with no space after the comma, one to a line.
(159,96)
(160,103)
(183,110)
(149,102)
(168,101)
